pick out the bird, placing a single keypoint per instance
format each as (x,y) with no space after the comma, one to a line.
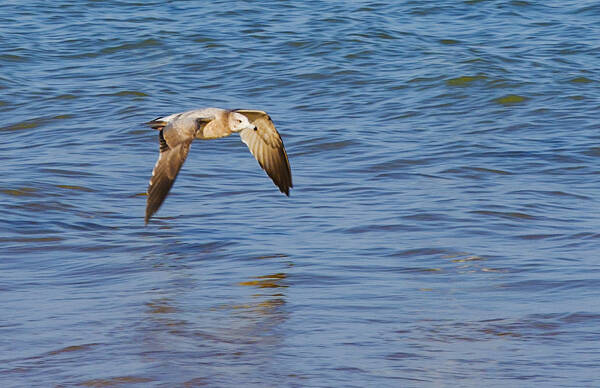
(177,131)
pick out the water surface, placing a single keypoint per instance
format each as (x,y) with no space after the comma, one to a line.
(443,229)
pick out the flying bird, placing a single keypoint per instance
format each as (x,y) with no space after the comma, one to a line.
(177,131)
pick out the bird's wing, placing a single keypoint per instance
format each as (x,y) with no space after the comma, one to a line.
(157,124)
(196,117)
(164,173)
(267,147)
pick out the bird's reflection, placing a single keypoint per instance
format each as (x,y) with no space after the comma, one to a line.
(190,322)
(265,304)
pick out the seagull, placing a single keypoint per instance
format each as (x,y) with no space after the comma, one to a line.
(177,131)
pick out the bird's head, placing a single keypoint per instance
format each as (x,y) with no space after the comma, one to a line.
(238,122)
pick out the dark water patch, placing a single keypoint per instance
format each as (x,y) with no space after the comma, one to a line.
(584,235)
(20,192)
(550,327)
(43,206)
(29,124)
(510,99)
(475,172)
(399,164)
(576,170)
(592,151)
(579,317)
(35,123)
(490,171)
(129,93)
(72,348)
(142,44)
(449,41)
(464,80)
(30,239)
(66,97)
(77,188)
(115,381)
(505,215)
(373,228)
(543,194)
(426,80)
(581,80)
(12,58)
(421,252)
(538,236)
(427,217)
(68,173)
(404,355)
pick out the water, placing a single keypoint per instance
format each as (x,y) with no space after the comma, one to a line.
(443,229)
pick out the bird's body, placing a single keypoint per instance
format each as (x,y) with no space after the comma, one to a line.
(177,131)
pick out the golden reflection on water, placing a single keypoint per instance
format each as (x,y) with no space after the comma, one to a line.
(270,302)
(160,306)
(266,281)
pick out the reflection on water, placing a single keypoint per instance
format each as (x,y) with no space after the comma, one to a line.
(266,281)
(196,338)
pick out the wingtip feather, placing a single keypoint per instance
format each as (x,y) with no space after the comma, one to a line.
(156,123)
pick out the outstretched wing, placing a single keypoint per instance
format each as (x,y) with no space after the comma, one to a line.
(164,173)
(267,147)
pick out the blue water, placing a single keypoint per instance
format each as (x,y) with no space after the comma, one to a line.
(443,229)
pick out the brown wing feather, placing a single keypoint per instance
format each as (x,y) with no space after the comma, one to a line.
(157,124)
(267,147)
(162,143)
(164,174)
